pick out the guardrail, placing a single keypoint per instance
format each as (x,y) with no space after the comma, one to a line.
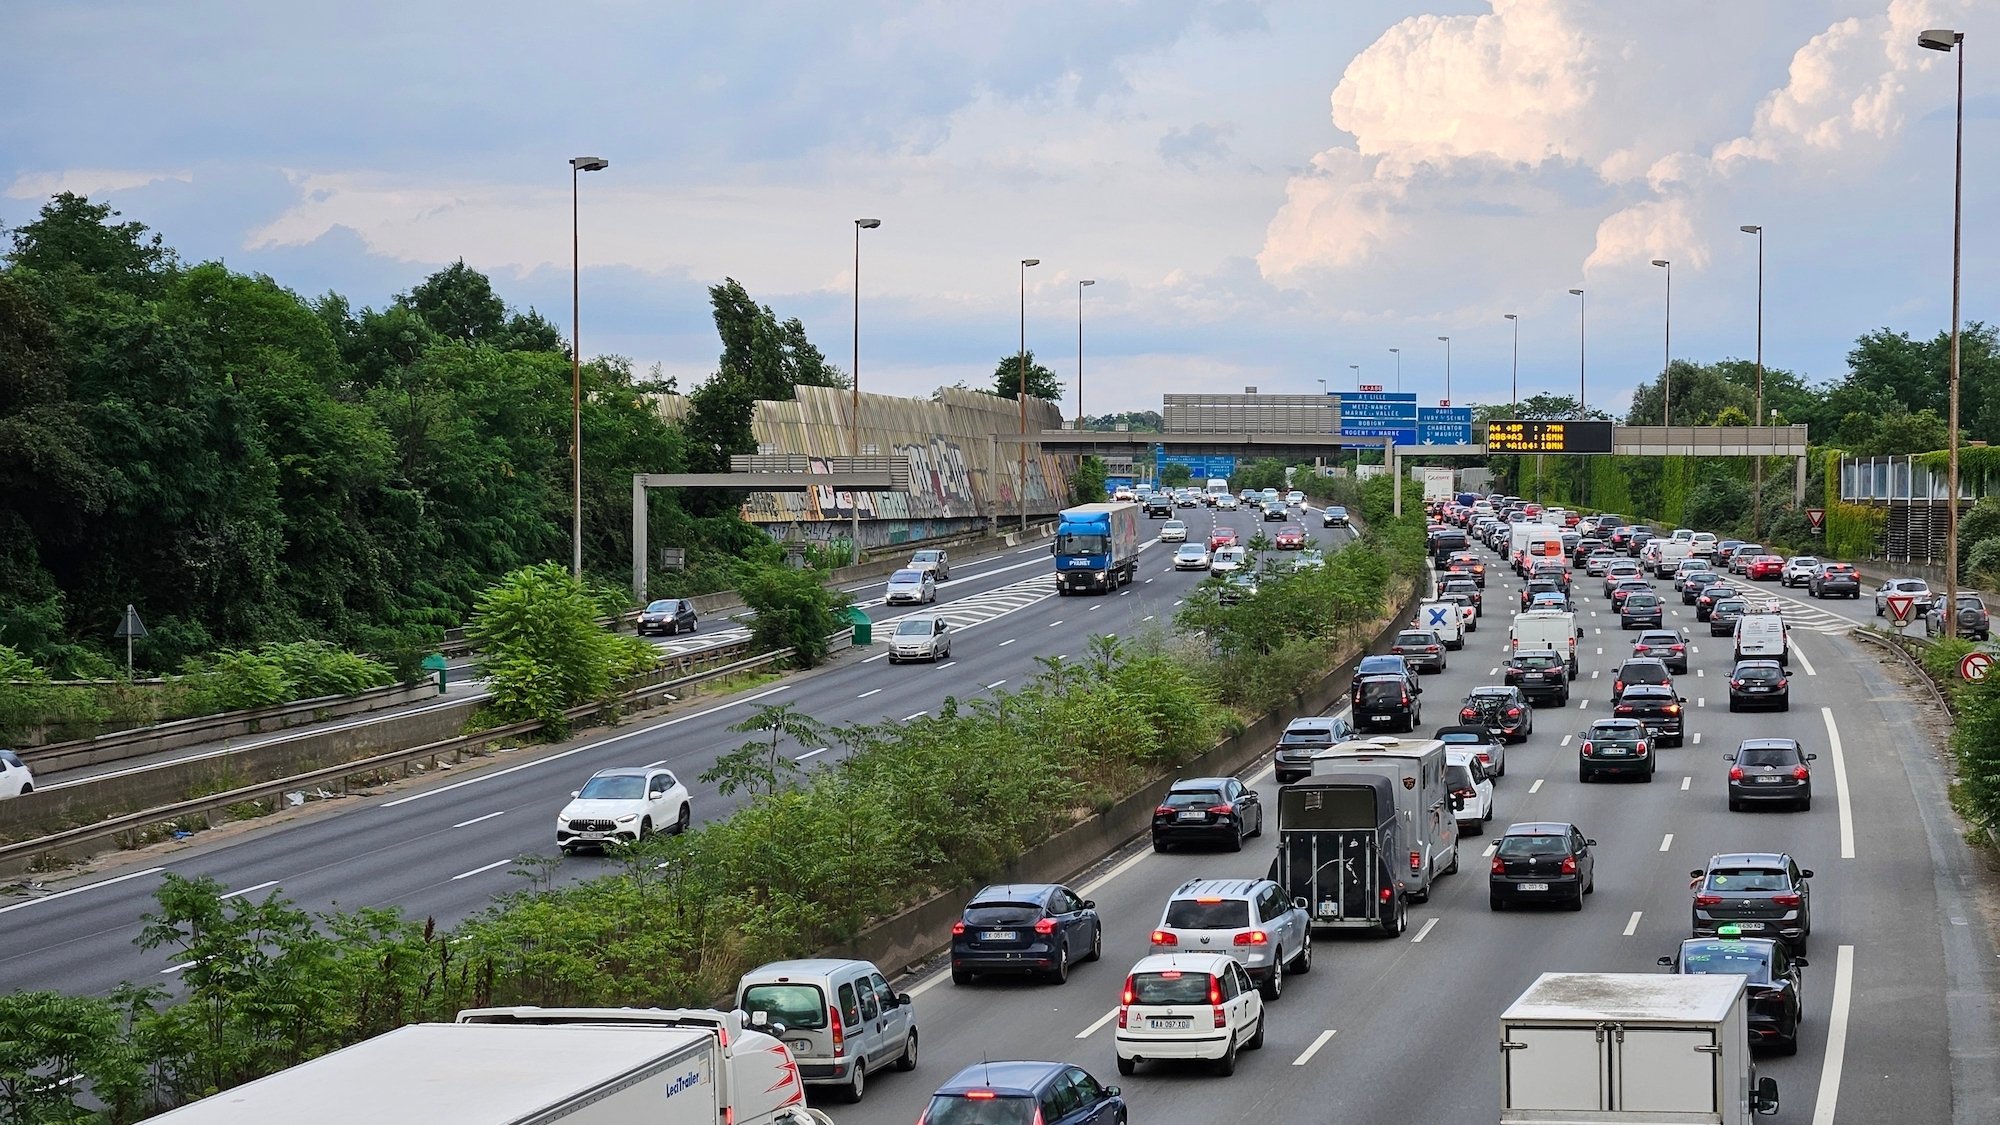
(24,853)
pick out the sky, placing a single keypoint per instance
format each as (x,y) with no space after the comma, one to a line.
(1265,194)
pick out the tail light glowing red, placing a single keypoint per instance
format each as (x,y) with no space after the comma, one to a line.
(1222,810)
(1499,866)
(1253,937)
(1164,937)
(1416,860)
(1786,899)
(1045,927)
(1127,997)
(1569,865)
(1708,900)
(1799,773)
(1736,773)
(1588,749)
(958,928)
(838,1030)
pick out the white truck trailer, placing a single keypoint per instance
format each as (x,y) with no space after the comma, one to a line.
(1437,485)
(534,1066)
(1602,1048)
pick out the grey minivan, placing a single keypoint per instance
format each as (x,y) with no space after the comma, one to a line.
(839,1018)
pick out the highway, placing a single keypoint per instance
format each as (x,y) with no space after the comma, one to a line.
(443,848)
(1403,1030)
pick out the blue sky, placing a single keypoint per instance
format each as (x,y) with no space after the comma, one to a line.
(1265,193)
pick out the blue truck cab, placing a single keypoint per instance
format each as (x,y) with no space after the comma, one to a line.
(1097,547)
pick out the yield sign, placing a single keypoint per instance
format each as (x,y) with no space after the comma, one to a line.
(1816,517)
(1975,666)
(1900,606)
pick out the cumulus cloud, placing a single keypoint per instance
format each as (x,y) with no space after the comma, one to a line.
(90,181)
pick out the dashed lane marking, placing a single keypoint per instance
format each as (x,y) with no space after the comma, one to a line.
(1424,931)
(1632,924)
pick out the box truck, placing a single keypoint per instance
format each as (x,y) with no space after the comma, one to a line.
(534,1066)
(1437,485)
(1097,547)
(1600,1048)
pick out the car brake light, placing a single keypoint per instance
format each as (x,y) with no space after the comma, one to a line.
(1221,810)
(1617,685)
(1513,712)
(1588,748)
(1622,709)
(1122,1010)
(1406,697)
(1499,866)
(1673,708)
(1127,999)
(839,1030)
(1782,683)
(1046,926)
(1164,810)
(958,928)
(1785,899)
(1164,937)
(1708,900)
(1736,773)
(1220,1019)
(1209,900)
(1386,892)
(1467,713)
(1253,937)
(1642,749)
(1799,773)
(1569,865)
(1416,860)
(1215,993)
(1736,683)
(979,1095)
(1465,793)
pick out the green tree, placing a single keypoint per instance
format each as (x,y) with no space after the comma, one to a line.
(793,610)
(1042,383)
(538,638)
(760,764)
(56,1051)
(1173,474)
(1087,480)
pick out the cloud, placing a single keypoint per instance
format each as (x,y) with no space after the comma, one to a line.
(90,181)
(1196,145)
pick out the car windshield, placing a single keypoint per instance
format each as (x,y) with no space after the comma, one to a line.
(1002,913)
(1615,731)
(1642,601)
(1306,738)
(1729,606)
(1726,957)
(1382,692)
(924,557)
(667,606)
(1538,662)
(1072,543)
(621,787)
(1766,756)
(988,1109)
(1191,551)
(1745,879)
(1416,639)
(1336,511)
(1170,987)
(906,576)
(1664,639)
(1758,672)
(1208,914)
(1192,799)
(914,627)
(799,1006)
(1516,847)
(1174,525)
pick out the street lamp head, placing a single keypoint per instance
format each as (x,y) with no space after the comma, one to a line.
(1751,229)
(1086,281)
(589,163)
(1661,262)
(1446,339)
(1940,39)
(1509,316)
(1393,351)
(1354,367)
(1026,262)
(1576,292)
(867,224)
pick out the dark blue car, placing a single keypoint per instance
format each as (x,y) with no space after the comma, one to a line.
(1039,929)
(1024,1093)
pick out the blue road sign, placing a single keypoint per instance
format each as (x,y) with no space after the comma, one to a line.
(1201,467)
(1379,414)
(1444,425)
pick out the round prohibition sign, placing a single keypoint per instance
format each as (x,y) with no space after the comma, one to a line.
(1975,665)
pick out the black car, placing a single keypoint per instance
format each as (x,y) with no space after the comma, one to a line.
(1694,584)
(1537,862)
(1656,707)
(1466,563)
(1031,928)
(1724,615)
(1627,588)
(1663,645)
(1640,670)
(1541,675)
(1485,746)
(1460,584)
(1773,988)
(667,617)
(1765,894)
(1770,769)
(1615,747)
(1502,710)
(1207,810)
(1641,610)
(1553,570)
(1759,683)
(1385,665)
(1635,543)
(1159,507)
(1834,580)
(1704,602)
(1535,586)
(1015,1093)
(1386,703)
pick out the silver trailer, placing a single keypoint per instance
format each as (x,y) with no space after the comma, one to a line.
(1429,824)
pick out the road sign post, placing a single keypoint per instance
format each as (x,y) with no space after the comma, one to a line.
(1974,666)
(1900,606)
(129,626)
(1817,518)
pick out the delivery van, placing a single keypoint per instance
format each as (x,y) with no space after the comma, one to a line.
(1446,619)
(1546,629)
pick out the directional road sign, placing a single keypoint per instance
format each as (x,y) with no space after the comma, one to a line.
(1379,414)
(1975,665)
(1899,608)
(1444,425)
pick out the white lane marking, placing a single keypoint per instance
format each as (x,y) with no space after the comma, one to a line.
(810,754)
(80,890)
(1566,738)
(1177,602)
(1697,738)
(1700,672)
(1667,841)
(649,765)
(1801,658)
(1836,1037)
(1098,1024)
(1493,671)
(1582,703)
(1536,787)
(1600,650)
(1148,580)
(1148,617)
(1005,643)
(1685,782)
(1306,1055)
(1840,788)
(918,715)
(1490,849)
(1092,609)
(177,968)
(1595,672)
(599,745)
(948,664)
(874,658)
(488,816)
(250,890)
(994,684)
(1424,931)
(1701,701)
(869,692)
(1121,594)
(1055,623)
(480,870)
(1696,649)
(1632,925)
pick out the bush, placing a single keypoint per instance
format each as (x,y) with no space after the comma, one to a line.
(236,679)
(1976,742)
(794,610)
(537,634)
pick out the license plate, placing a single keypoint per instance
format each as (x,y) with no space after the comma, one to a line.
(1329,909)
(1191,816)
(590,836)
(1170,1025)
(1769,780)
(1749,925)
(1378,718)
(999,935)
(1531,886)
(1614,752)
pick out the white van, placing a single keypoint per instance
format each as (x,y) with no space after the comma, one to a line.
(1217,488)
(1668,553)
(1521,535)
(1544,629)
(1761,636)
(1446,619)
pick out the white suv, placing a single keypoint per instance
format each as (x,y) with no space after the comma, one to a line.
(1798,569)
(1249,920)
(623,806)
(1188,1006)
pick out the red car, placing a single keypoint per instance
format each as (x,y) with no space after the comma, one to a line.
(1222,537)
(1290,537)
(1765,566)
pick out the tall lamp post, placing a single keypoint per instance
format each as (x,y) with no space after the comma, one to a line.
(577,165)
(1667,366)
(854,402)
(1757,411)
(1945,39)
(1398,353)
(1356,368)
(1021,393)
(1447,369)
(1079,348)
(1578,294)
(1517,362)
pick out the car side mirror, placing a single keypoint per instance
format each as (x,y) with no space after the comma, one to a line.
(576,792)
(1806,874)
(1767,1096)
(1590,843)
(1112,1091)
(1801,962)
(904,1000)
(1666,962)
(1812,757)
(1694,874)
(1681,698)
(1090,904)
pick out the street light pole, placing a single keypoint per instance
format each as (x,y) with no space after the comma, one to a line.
(1356,368)
(1398,353)
(1667,367)
(854,401)
(1079,349)
(577,164)
(1946,40)
(1578,294)
(1757,411)
(1447,369)
(1021,394)
(1517,362)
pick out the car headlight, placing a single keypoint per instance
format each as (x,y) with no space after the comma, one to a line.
(628,818)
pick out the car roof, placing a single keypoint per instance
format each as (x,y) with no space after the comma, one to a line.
(1621,723)
(1484,734)
(1668,633)
(1208,964)
(1017,1077)
(1768,744)
(1631,660)
(1313,722)
(806,967)
(629,771)
(1491,689)
(1186,784)
(1381,658)
(907,575)
(1637,691)
(1219,888)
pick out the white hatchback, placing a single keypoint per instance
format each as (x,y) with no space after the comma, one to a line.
(1173,531)
(1226,559)
(15,776)
(1188,1006)
(1798,570)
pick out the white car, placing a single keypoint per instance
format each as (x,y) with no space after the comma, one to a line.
(1225,503)
(623,806)
(935,561)
(1173,531)
(1916,589)
(1192,556)
(1188,1006)
(920,636)
(1294,498)
(1471,790)
(913,586)
(1226,559)
(1798,569)
(15,776)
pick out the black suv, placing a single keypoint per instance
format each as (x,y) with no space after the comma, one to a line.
(1770,769)
(1834,580)
(1773,975)
(1541,862)
(1502,710)
(1386,703)
(1759,683)
(1615,747)
(1657,708)
(1159,506)
(1763,894)
(1723,617)
(1640,670)
(1541,675)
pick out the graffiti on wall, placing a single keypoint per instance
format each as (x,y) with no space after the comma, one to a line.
(941,487)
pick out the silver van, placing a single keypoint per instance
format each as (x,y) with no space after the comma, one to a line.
(1423,800)
(839,1018)
(1761,636)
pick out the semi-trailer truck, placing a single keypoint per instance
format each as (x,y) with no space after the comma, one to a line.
(1097,547)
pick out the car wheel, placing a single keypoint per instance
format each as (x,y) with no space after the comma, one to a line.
(1582,775)
(1097,942)
(565,849)
(1878,609)
(645,828)
(1160,845)
(1236,839)
(909,1060)
(1494,903)
(1576,903)
(1260,821)
(1790,1044)
(1785,706)
(1735,805)
(1060,974)
(1303,964)
(858,1084)
(1733,706)
(1453,869)
(1805,805)
(1226,1065)
(1127,1067)
(1274,985)
(1397,919)
(682,819)
(961,976)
